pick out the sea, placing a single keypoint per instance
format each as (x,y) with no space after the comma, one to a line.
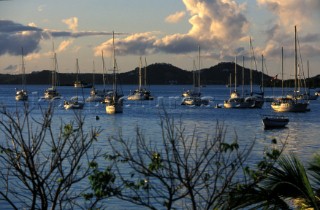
(301,134)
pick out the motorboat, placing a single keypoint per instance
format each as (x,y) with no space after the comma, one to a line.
(274,121)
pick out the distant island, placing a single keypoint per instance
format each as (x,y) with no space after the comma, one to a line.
(161,74)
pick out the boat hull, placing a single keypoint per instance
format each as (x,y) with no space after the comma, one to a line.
(73,105)
(194,101)
(114,109)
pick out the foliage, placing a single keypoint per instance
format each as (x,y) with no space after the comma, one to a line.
(42,167)
(181,170)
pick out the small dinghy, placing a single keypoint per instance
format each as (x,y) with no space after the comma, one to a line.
(274,121)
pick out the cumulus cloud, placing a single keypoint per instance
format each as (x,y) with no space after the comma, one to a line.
(137,44)
(214,24)
(176,17)
(72,23)
(293,12)
(290,13)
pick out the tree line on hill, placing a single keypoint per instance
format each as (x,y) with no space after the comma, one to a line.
(163,74)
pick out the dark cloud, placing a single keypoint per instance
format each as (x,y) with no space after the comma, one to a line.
(13,36)
(8,26)
(77,34)
(10,68)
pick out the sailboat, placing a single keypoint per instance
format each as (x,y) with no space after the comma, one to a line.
(236,100)
(80,84)
(75,102)
(294,103)
(22,95)
(115,102)
(256,97)
(193,97)
(141,93)
(94,94)
(51,93)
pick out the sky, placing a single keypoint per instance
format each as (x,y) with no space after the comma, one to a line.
(166,31)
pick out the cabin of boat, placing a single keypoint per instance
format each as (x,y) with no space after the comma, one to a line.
(191,93)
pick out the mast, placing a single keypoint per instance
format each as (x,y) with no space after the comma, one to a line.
(145,72)
(295,61)
(140,74)
(235,74)
(103,71)
(242,76)
(114,69)
(23,70)
(93,73)
(262,71)
(282,69)
(199,79)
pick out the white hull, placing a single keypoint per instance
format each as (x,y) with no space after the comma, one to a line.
(73,105)
(21,95)
(140,95)
(237,103)
(114,109)
(51,93)
(194,101)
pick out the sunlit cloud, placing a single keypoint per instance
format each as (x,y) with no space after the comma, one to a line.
(136,44)
(290,13)
(64,45)
(176,17)
(72,23)
(214,24)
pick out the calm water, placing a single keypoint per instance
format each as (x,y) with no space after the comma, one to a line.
(302,131)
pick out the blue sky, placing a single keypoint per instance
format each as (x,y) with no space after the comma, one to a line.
(163,31)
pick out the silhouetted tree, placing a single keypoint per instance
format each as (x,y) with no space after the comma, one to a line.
(179,170)
(42,167)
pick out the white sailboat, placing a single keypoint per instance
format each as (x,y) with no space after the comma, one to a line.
(257,97)
(193,97)
(115,103)
(52,93)
(22,95)
(236,100)
(94,94)
(141,93)
(294,103)
(75,102)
